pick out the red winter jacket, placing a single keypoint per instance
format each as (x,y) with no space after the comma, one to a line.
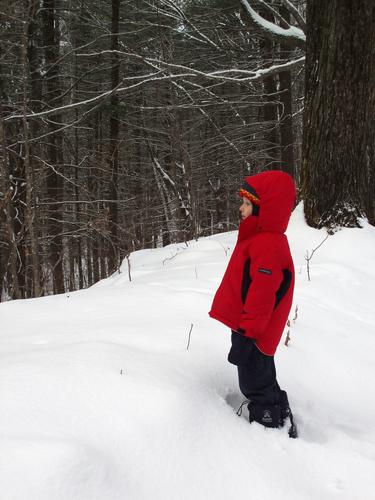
(256,292)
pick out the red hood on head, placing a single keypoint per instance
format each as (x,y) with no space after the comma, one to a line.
(277,193)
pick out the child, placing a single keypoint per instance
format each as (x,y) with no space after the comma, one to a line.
(256,292)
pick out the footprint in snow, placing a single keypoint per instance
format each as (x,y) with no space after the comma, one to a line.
(235,400)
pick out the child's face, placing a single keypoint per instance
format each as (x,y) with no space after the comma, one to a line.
(246,208)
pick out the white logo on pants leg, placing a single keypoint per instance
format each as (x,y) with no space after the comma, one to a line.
(267,418)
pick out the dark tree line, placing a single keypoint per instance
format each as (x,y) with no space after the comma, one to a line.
(129,124)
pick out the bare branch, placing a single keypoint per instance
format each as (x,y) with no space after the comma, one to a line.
(189,72)
(296,14)
(308,256)
(99,97)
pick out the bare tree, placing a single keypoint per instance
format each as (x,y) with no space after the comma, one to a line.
(129,125)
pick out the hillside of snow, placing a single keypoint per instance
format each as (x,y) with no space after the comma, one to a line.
(100,399)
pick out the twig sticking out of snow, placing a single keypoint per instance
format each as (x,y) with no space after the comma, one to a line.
(173,256)
(289,325)
(129,268)
(225,249)
(188,344)
(287,338)
(295,314)
(309,257)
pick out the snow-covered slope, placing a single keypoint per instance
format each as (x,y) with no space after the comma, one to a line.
(100,398)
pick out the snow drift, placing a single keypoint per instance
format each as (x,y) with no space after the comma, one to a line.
(101,399)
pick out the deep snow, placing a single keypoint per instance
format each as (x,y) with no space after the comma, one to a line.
(101,400)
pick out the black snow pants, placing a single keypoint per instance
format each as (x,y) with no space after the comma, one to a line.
(268,404)
(256,371)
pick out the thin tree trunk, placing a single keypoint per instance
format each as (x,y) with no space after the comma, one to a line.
(270,107)
(28,165)
(6,214)
(286,114)
(54,178)
(114,131)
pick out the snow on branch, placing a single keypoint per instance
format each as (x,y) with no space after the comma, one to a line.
(296,14)
(277,15)
(147,78)
(182,72)
(162,172)
(261,73)
(242,75)
(272,28)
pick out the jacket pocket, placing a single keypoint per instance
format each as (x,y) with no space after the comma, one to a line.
(242,349)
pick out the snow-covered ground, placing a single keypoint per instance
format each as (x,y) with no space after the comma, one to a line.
(100,398)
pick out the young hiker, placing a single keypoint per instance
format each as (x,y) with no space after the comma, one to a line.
(256,292)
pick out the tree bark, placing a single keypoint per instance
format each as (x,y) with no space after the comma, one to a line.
(272,142)
(114,130)
(338,143)
(31,226)
(286,113)
(6,215)
(55,152)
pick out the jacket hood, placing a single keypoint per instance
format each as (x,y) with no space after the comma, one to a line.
(277,194)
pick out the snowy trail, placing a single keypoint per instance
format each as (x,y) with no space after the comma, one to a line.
(100,399)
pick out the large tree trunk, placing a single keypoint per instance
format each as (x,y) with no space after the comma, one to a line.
(338,144)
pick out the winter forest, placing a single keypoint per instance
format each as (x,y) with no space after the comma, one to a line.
(135,262)
(129,124)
